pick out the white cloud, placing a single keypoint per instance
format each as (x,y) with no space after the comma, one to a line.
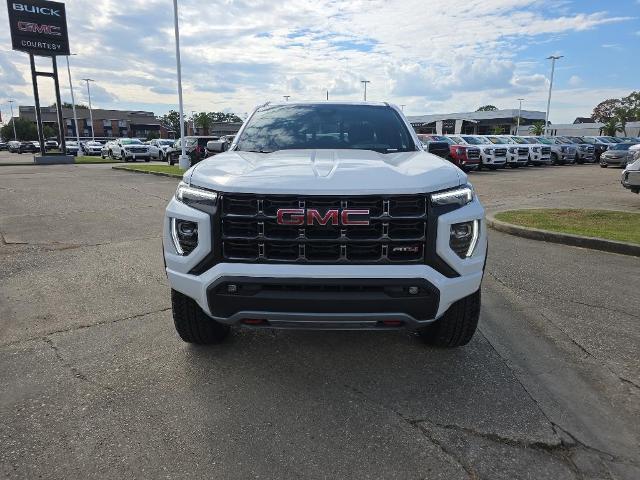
(575,81)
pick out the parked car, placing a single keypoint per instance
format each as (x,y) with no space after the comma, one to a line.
(517,155)
(617,155)
(585,152)
(539,152)
(129,149)
(91,148)
(631,177)
(51,144)
(106,149)
(262,236)
(599,146)
(72,148)
(437,147)
(562,153)
(13,146)
(491,157)
(27,147)
(464,156)
(4,146)
(195,148)
(158,148)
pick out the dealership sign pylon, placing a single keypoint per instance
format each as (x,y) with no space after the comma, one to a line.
(39,28)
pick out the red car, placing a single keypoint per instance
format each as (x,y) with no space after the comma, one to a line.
(465,157)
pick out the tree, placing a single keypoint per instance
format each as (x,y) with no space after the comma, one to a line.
(605,110)
(25,130)
(171,121)
(487,108)
(69,105)
(537,128)
(612,127)
(497,130)
(50,131)
(152,135)
(204,121)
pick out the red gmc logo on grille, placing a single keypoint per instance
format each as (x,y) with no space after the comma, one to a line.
(310,216)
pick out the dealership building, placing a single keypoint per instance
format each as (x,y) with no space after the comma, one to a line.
(106,123)
(476,123)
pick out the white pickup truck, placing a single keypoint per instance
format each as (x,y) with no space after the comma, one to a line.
(325,216)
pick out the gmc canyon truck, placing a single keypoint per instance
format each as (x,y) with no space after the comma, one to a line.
(325,216)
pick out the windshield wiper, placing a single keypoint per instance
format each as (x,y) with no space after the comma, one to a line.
(257,151)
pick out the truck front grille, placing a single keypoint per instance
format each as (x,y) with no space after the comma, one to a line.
(501,152)
(523,151)
(546,150)
(473,153)
(396,234)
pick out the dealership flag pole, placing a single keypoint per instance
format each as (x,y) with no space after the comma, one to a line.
(73,103)
(13,122)
(519,114)
(553,59)
(184,161)
(93,137)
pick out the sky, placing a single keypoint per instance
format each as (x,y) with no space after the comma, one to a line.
(431,56)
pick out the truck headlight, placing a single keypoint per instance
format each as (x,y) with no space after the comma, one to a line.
(536,149)
(512,150)
(184,234)
(459,196)
(464,238)
(489,151)
(198,198)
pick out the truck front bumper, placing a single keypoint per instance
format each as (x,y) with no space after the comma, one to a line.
(325,296)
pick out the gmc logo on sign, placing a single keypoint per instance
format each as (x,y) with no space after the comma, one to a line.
(311,216)
(37,28)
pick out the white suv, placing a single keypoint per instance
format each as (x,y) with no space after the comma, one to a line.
(491,156)
(325,216)
(517,155)
(129,149)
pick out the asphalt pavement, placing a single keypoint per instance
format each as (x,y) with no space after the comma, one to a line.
(95,383)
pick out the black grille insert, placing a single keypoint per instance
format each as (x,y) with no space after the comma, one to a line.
(396,233)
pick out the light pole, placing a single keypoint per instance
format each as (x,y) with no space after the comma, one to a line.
(13,121)
(193,122)
(364,82)
(553,59)
(286,97)
(402,106)
(73,102)
(183,161)
(519,114)
(93,136)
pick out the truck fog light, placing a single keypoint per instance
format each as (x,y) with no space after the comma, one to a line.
(464,238)
(184,234)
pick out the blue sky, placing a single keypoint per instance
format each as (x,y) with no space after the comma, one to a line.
(433,56)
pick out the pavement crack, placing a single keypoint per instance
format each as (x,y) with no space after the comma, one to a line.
(84,327)
(74,371)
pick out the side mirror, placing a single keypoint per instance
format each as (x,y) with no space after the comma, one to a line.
(215,146)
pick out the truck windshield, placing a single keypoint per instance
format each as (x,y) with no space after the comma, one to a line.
(330,126)
(473,140)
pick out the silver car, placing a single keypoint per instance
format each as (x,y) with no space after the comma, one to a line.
(617,155)
(631,177)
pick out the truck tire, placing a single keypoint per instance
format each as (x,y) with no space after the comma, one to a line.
(457,325)
(554,159)
(192,324)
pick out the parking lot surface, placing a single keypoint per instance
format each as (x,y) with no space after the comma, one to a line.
(94,382)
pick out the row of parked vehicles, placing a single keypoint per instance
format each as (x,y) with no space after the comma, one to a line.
(473,152)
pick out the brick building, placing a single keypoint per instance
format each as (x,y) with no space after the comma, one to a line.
(107,124)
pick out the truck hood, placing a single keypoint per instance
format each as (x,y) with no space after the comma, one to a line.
(325,172)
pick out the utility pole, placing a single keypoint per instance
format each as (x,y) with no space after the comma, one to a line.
(519,114)
(364,82)
(73,102)
(553,59)
(184,162)
(286,97)
(13,122)
(402,106)
(327,95)
(93,136)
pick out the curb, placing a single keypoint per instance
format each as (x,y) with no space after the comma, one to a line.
(135,170)
(594,243)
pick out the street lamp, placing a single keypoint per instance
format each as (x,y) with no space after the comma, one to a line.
(553,59)
(402,106)
(364,82)
(73,102)
(183,161)
(93,136)
(193,121)
(519,114)
(286,97)
(13,121)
